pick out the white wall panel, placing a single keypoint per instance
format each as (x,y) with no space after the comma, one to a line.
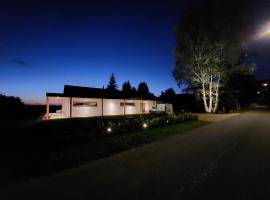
(86,111)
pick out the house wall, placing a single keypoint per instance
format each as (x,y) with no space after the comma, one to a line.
(65,106)
(61,113)
(110,107)
(149,104)
(132,109)
(86,110)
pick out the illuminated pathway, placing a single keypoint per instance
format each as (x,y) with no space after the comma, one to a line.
(223,160)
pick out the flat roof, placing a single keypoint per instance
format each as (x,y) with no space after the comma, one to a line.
(89,92)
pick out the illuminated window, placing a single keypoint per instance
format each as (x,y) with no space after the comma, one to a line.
(84,104)
(127,104)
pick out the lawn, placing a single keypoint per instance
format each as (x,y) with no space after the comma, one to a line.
(28,158)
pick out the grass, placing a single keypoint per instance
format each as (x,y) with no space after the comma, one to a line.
(151,135)
(33,160)
(115,144)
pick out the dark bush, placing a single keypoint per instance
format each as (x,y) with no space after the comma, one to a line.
(83,129)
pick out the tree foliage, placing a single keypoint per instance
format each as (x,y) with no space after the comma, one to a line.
(128,90)
(208,51)
(168,95)
(11,106)
(112,85)
(143,90)
(126,87)
(240,91)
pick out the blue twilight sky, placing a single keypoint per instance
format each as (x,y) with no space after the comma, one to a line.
(46,45)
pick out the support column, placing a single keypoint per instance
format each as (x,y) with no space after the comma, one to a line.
(70,107)
(124,107)
(102,101)
(47,108)
(102,107)
(141,106)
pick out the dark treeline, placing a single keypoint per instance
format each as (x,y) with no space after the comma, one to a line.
(13,108)
(181,102)
(141,91)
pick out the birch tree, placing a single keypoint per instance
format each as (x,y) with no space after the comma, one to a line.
(209,49)
(201,64)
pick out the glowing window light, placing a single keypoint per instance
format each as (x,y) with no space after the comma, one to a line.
(265,84)
(258,92)
(145,125)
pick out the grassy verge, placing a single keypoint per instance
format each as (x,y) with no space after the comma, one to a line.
(43,160)
(151,135)
(115,144)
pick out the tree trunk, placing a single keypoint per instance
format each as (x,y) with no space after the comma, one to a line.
(217,99)
(217,95)
(210,95)
(206,108)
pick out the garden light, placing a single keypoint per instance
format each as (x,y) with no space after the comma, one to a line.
(265,84)
(144,125)
(109,130)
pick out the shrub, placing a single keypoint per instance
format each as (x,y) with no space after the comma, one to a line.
(83,129)
(132,124)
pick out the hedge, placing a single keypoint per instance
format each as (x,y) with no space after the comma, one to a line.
(74,129)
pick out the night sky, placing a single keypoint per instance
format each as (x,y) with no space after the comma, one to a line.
(46,45)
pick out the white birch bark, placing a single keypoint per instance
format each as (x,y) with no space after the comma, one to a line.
(217,96)
(210,94)
(206,108)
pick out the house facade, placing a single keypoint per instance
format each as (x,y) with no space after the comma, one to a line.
(78,101)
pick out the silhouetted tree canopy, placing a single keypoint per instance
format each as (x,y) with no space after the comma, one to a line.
(10,106)
(126,88)
(143,90)
(168,95)
(112,85)
(133,91)
(240,91)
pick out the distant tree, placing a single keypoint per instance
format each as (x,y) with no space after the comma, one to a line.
(126,88)
(143,90)
(162,94)
(11,107)
(112,83)
(168,95)
(240,91)
(151,95)
(133,92)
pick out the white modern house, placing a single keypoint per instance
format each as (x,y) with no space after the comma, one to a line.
(79,101)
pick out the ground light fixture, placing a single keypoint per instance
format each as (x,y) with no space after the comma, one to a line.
(109,129)
(265,84)
(145,125)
